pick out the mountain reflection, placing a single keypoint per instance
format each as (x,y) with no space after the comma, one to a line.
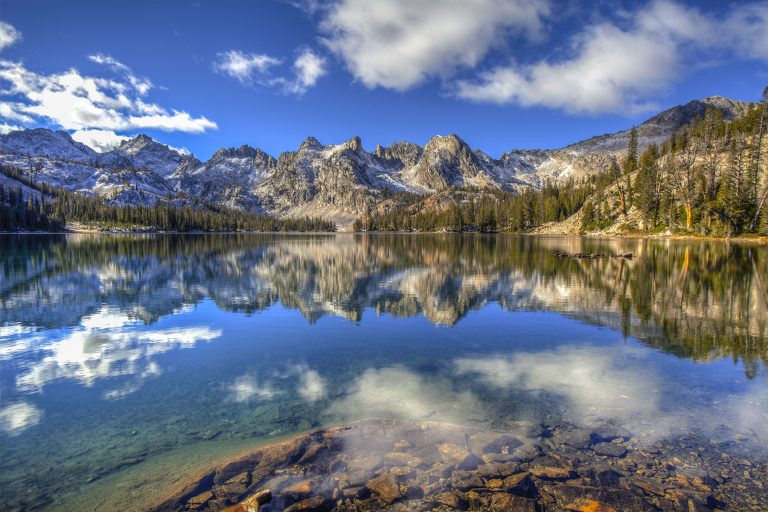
(695,300)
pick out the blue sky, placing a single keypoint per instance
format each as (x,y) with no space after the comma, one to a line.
(502,74)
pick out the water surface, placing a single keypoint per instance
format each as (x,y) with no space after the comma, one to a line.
(129,362)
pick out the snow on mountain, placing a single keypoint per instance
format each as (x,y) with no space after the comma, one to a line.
(143,152)
(230,177)
(336,180)
(47,143)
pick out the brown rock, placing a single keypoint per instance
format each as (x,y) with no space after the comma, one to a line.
(313,504)
(401,459)
(591,506)
(609,450)
(200,499)
(494,483)
(464,480)
(510,502)
(452,453)
(504,445)
(370,463)
(385,487)
(551,473)
(450,499)
(302,487)
(520,484)
(252,503)
(469,462)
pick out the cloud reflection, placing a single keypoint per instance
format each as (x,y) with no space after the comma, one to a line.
(106,344)
(16,417)
(247,388)
(596,381)
(397,392)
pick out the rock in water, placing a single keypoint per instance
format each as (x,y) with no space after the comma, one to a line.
(252,503)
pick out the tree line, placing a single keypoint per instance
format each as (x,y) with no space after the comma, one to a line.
(708,178)
(47,208)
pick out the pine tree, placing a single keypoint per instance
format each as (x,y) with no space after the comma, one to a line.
(647,186)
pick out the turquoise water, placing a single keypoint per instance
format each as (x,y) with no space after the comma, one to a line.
(123,354)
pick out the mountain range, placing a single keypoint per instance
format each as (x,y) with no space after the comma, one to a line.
(335,181)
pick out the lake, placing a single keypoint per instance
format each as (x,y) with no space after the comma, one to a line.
(129,363)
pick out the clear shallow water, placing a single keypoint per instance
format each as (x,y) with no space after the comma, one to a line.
(128,356)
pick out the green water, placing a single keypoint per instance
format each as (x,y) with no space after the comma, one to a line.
(128,363)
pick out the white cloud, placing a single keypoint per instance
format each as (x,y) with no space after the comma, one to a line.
(8,128)
(614,68)
(746,29)
(74,101)
(141,85)
(245,67)
(398,44)
(107,140)
(257,69)
(8,35)
(12,111)
(308,67)
(99,140)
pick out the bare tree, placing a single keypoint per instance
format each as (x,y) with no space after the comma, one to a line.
(683,174)
(616,170)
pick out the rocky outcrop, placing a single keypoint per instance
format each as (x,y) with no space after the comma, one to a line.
(400,154)
(450,162)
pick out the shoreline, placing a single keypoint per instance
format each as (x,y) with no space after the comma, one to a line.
(753,239)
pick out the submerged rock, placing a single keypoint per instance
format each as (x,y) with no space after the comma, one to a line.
(403,466)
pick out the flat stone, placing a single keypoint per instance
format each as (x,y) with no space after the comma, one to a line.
(494,483)
(252,503)
(509,502)
(401,459)
(200,499)
(369,463)
(649,486)
(608,433)
(450,499)
(551,473)
(520,484)
(452,453)
(356,492)
(302,487)
(385,487)
(608,478)
(313,504)
(464,480)
(503,445)
(470,462)
(579,439)
(576,497)
(231,490)
(609,450)
(591,506)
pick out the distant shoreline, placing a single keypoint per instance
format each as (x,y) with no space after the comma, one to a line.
(761,240)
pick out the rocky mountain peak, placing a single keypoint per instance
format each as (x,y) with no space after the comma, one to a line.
(446,145)
(44,142)
(401,154)
(310,143)
(244,151)
(354,144)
